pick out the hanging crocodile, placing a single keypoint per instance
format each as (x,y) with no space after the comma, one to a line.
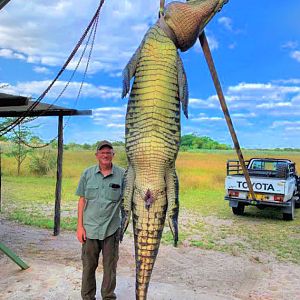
(153,128)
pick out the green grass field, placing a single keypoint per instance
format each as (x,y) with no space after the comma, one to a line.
(206,221)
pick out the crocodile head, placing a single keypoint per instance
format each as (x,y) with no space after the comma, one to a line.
(187,20)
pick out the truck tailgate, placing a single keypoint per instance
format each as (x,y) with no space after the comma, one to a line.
(260,185)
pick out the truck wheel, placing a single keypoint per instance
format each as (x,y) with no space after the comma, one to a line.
(239,210)
(290,216)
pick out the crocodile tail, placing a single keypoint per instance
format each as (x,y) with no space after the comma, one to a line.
(146,248)
(148,224)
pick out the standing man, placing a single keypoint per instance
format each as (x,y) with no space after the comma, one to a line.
(98,227)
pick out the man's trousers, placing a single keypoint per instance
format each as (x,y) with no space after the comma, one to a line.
(90,256)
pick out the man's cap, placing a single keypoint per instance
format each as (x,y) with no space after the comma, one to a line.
(104,143)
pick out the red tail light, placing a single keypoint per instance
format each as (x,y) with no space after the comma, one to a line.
(278,198)
(232,193)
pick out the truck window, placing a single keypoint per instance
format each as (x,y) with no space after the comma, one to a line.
(270,166)
(267,165)
(256,165)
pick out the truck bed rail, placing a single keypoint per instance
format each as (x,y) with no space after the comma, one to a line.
(281,169)
(234,167)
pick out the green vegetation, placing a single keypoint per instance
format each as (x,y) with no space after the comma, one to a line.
(192,141)
(42,162)
(205,220)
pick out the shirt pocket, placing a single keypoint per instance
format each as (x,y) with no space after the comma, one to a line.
(91,192)
(114,192)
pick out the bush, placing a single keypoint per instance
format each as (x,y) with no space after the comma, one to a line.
(41,163)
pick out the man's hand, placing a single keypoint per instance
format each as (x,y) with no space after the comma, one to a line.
(81,235)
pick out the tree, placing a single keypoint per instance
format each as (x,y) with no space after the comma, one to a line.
(192,141)
(187,140)
(118,143)
(20,150)
(86,146)
(36,140)
(20,138)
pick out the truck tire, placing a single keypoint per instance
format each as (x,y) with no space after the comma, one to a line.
(239,210)
(291,215)
(297,200)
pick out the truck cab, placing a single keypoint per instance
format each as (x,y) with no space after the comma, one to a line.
(275,183)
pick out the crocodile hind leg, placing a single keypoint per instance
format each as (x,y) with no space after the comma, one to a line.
(128,185)
(173,201)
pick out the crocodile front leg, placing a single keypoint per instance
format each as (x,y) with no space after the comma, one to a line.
(129,178)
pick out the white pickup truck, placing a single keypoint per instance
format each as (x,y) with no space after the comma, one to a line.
(275,183)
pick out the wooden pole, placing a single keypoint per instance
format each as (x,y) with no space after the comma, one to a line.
(58,177)
(214,75)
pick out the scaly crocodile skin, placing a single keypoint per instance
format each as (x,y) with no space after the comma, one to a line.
(152,143)
(153,131)
(187,20)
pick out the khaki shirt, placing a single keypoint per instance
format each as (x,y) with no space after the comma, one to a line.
(101,216)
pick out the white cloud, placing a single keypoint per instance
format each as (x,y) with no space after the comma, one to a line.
(295,55)
(290,45)
(277,124)
(117,74)
(244,115)
(7,53)
(288,81)
(255,100)
(110,116)
(293,128)
(226,22)
(199,103)
(212,41)
(45,32)
(42,70)
(274,105)
(116,125)
(261,91)
(296,99)
(35,88)
(108,109)
(204,119)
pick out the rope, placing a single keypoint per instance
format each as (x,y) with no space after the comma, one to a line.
(93,32)
(31,146)
(72,75)
(40,98)
(86,69)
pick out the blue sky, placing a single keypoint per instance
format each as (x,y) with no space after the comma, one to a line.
(255,45)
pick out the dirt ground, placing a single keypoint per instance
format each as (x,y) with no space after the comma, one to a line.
(179,273)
